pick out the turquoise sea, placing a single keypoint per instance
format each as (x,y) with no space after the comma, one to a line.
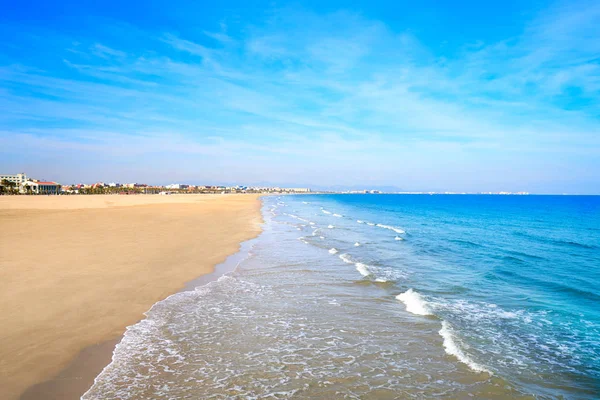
(384,296)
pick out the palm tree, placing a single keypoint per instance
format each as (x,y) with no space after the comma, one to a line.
(10,185)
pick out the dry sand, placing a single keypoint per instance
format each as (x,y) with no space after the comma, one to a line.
(76,270)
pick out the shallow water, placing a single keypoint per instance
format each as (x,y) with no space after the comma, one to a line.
(366,296)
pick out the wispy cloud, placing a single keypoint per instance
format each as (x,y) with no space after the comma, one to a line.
(331,98)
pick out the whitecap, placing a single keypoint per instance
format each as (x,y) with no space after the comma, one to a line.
(325,212)
(363,269)
(391,228)
(356,244)
(338,215)
(414,302)
(398,238)
(360,222)
(333,250)
(346,258)
(370,224)
(330,226)
(452,348)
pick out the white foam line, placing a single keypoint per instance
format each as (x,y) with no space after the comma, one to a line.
(452,348)
(414,302)
(338,215)
(391,228)
(346,258)
(363,269)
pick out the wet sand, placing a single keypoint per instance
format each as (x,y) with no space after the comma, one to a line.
(77,270)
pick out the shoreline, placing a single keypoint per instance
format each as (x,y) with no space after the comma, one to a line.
(79,376)
(71,374)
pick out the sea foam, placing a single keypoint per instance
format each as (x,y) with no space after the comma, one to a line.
(414,302)
(363,269)
(391,228)
(333,250)
(346,258)
(452,348)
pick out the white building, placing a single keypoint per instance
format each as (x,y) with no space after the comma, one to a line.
(39,187)
(177,186)
(18,178)
(295,190)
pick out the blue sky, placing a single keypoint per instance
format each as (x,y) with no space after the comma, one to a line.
(442,95)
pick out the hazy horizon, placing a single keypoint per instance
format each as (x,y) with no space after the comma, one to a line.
(438,96)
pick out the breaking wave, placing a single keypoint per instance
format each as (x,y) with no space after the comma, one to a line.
(414,302)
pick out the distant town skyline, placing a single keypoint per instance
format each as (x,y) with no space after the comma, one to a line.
(436,96)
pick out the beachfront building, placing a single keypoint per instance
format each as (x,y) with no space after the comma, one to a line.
(296,190)
(177,186)
(39,187)
(134,185)
(17,179)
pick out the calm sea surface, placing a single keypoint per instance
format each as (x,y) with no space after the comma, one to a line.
(384,297)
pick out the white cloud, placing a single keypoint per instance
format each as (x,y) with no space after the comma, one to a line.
(339,90)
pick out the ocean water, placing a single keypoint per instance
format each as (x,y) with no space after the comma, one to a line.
(384,297)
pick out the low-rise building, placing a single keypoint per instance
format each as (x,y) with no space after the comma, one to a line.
(39,187)
(177,186)
(295,190)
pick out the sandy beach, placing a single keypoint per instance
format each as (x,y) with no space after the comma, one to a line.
(77,270)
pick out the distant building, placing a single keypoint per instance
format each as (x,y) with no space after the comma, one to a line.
(114,184)
(296,190)
(177,186)
(18,179)
(39,187)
